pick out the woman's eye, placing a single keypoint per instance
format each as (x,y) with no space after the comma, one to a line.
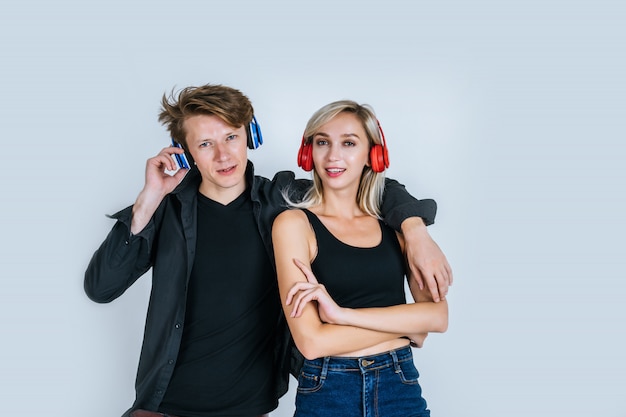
(321,142)
(349,143)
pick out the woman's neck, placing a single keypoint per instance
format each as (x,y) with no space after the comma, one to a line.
(340,205)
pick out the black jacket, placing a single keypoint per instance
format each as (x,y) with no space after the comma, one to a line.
(167,245)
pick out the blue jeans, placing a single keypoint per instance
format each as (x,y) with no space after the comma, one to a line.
(383,385)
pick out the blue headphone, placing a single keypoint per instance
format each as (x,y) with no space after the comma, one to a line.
(255,138)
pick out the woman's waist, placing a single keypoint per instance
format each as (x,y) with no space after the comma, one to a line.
(376,349)
(364,362)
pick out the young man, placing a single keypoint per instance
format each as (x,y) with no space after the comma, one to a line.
(215,340)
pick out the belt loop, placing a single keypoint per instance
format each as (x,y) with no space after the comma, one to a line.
(325,368)
(396,363)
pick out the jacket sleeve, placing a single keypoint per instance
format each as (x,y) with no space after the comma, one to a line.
(120,260)
(398,205)
(285,183)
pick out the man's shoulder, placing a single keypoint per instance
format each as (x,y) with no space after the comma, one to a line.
(283,184)
(280,176)
(282,180)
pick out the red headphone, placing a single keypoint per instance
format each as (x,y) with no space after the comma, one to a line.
(379,156)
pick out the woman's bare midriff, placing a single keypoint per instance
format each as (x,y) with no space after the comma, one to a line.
(379,348)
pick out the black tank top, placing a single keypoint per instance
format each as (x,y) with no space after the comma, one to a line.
(359,277)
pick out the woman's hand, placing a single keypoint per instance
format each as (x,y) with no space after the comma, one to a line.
(303,293)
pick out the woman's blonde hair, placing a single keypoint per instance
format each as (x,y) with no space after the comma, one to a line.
(372,184)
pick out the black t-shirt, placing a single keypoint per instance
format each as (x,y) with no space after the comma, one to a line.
(225,366)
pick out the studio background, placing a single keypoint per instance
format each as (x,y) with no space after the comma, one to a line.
(511,114)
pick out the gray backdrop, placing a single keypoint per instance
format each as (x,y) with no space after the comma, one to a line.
(511,114)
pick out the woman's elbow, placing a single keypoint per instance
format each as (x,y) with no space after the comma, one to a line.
(309,350)
(309,347)
(442,326)
(309,354)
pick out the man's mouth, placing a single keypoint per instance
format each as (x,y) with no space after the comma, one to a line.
(227,170)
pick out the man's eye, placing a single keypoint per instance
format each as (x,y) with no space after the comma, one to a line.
(231,137)
(204,144)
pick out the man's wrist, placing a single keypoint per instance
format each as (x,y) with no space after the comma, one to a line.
(143,210)
(414,224)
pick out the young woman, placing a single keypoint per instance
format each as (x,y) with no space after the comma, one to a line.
(341,275)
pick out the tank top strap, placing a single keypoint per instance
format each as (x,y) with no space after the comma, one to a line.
(312,217)
(317,225)
(323,234)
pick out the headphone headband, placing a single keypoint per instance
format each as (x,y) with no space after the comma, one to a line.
(379,156)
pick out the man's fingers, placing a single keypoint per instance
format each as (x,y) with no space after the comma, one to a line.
(180,174)
(450,275)
(162,161)
(417,276)
(433,288)
(165,157)
(442,283)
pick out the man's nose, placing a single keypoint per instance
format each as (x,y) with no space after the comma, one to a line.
(220,152)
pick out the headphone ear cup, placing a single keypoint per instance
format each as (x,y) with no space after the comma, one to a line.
(377,158)
(255,138)
(305,156)
(249,134)
(386,156)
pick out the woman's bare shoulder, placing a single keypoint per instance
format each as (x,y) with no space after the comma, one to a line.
(292,218)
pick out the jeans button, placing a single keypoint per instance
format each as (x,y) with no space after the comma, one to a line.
(365,363)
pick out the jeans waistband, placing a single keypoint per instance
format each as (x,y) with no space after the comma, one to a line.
(363,363)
